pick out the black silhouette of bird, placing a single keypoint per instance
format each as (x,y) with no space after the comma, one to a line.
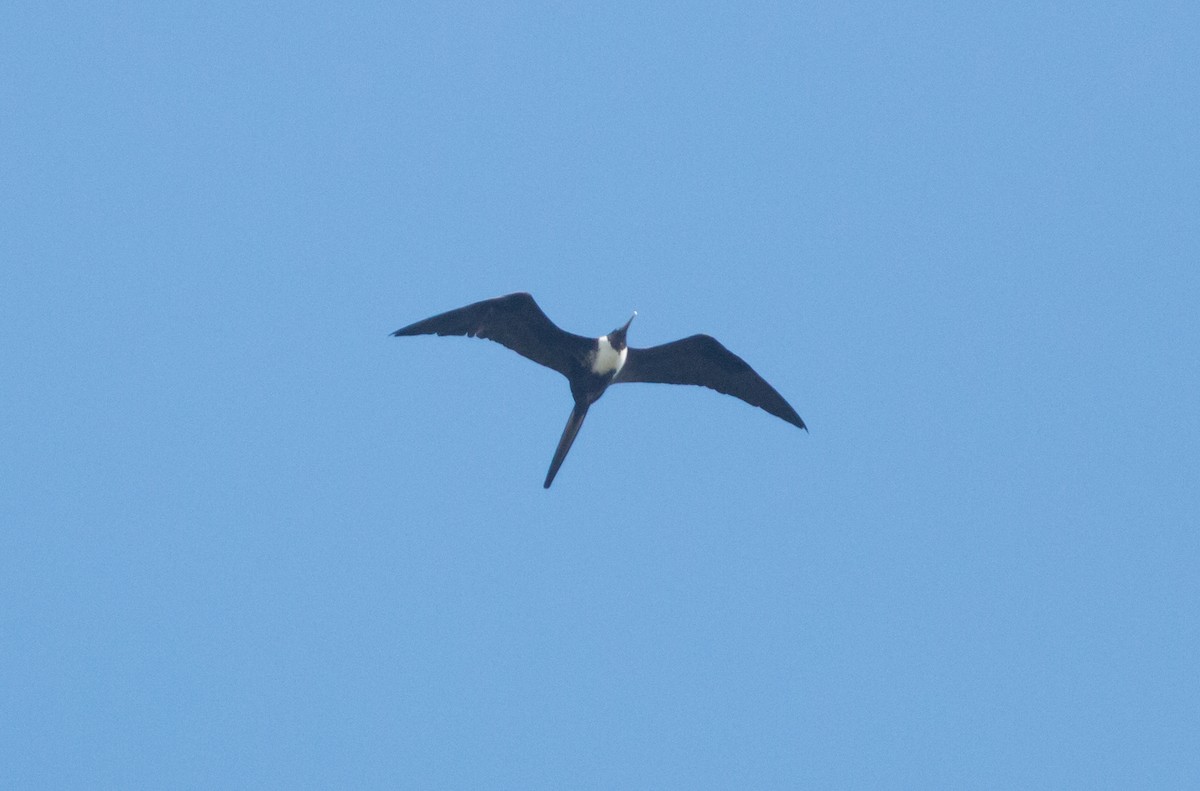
(592,364)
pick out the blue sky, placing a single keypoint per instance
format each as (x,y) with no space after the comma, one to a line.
(250,541)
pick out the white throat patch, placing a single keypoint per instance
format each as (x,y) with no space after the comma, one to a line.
(608,360)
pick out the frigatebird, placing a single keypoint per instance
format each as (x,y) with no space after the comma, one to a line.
(592,364)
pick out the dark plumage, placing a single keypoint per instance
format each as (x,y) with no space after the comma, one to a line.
(592,364)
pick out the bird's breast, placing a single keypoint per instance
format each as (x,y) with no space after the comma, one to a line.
(607,360)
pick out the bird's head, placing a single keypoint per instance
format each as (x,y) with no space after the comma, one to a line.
(617,336)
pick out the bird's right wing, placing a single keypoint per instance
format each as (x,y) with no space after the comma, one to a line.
(702,360)
(514,321)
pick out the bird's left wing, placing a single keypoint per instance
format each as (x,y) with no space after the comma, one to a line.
(514,321)
(702,360)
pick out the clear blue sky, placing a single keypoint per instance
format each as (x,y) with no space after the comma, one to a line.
(250,541)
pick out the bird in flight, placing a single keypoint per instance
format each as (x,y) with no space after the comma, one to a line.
(592,364)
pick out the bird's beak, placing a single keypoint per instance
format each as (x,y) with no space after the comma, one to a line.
(631,318)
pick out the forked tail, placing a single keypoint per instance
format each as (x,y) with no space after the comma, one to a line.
(568,437)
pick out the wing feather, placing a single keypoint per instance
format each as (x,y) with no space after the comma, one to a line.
(514,321)
(702,360)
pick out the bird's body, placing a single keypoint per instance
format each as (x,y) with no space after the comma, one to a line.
(592,364)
